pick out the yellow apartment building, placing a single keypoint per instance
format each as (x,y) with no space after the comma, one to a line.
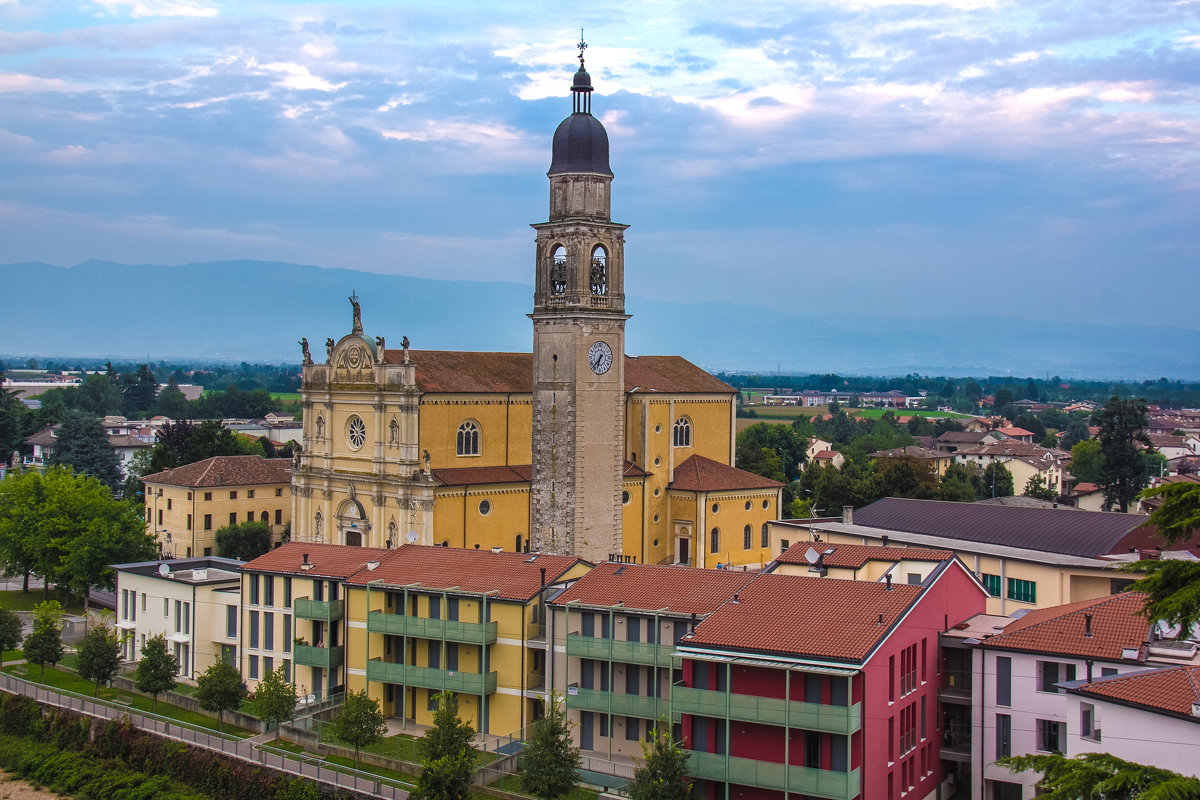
(186,506)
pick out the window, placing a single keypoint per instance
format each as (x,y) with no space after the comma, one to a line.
(1003,735)
(1003,681)
(254,667)
(189,522)
(268,630)
(287,592)
(279,492)
(558,270)
(1051,672)
(268,590)
(598,277)
(250,516)
(253,590)
(143,601)
(356,431)
(287,633)
(208,522)
(189,495)
(714,540)
(468,439)
(991,583)
(233,518)
(160,516)
(485,508)
(1051,736)
(254,629)
(1022,591)
(682,436)
(233,495)
(208,495)
(278,516)
(765,536)
(1089,722)
(747,534)
(250,493)
(231,615)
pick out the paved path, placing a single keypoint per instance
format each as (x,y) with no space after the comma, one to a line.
(243,749)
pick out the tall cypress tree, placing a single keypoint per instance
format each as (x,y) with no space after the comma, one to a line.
(83,446)
(1122,428)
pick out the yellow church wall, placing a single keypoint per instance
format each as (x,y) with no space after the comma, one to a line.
(458,521)
(505,423)
(728,513)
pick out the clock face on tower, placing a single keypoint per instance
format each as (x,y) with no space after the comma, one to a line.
(600,357)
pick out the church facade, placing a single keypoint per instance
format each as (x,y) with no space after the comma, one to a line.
(576,448)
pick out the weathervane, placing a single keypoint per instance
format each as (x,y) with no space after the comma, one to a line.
(582,46)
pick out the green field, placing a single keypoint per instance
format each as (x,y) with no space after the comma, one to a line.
(16,600)
(287,397)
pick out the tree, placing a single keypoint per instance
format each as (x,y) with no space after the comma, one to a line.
(550,761)
(83,446)
(1122,428)
(219,689)
(10,632)
(44,645)
(1101,775)
(210,439)
(957,483)
(447,753)
(662,773)
(1076,431)
(139,390)
(99,655)
(171,402)
(156,669)
(275,699)
(1036,488)
(97,396)
(996,481)
(784,440)
(1086,460)
(1173,585)
(244,541)
(360,722)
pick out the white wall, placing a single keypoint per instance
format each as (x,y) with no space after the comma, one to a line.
(1137,735)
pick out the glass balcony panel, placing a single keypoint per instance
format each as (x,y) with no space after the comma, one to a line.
(767,710)
(449,629)
(625,705)
(322,610)
(427,678)
(612,650)
(326,657)
(771,775)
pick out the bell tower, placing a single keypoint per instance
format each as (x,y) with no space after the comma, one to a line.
(579,345)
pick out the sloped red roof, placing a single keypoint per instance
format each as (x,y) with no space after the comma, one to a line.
(795,614)
(226,471)
(700,474)
(462,372)
(470,476)
(854,556)
(1061,630)
(648,587)
(822,455)
(328,560)
(1174,689)
(513,576)
(1014,431)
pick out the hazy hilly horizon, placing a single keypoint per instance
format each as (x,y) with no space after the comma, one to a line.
(257,310)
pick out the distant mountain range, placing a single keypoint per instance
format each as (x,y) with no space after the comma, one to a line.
(256,311)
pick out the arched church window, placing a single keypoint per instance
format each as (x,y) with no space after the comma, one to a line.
(558,270)
(599,273)
(683,432)
(519,540)
(765,539)
(714,541)
(746,535)
(468,439)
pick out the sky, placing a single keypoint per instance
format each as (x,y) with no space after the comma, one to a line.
(1039,160)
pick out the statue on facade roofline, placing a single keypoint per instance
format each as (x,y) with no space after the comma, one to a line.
(329,343)
(404,344)
(304,349)
(357,313)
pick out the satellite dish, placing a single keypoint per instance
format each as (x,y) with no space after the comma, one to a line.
(812,556)
(411,537)
(164,570)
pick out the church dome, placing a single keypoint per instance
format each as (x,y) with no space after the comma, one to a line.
(580,142)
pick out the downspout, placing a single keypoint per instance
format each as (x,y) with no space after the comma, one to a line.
(612,629)
(192,630)
(787,730)
(464,507)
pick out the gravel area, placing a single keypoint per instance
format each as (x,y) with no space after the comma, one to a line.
(13,788)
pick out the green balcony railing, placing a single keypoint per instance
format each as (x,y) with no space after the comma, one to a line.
(648,653)
(322,610)
(768,710)
(451,630)
(625,705)
(305,655)
(771,775)
(428,678)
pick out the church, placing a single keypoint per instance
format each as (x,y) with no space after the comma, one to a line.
(577,448)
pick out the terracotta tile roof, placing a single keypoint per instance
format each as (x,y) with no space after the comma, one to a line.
(125,440)
(795,614)
(1086,488)
(854,556)
(631,470)
(226,471)
(1053,530)
(823,455)
(1060,630)
(1167,440)
(1174,689)
(1007,447)
(43,437)
(700,474)
(514,576)
(911,451)
(1014,431)
(469,476)
(680,590)
(461,372)
(328,560)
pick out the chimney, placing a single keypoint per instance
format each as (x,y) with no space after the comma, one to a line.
(883,540)
(735,597)
(305,557)
(1089,670)
(889,581)
(543,571)
(848,515)
(1087,625)
(880,617)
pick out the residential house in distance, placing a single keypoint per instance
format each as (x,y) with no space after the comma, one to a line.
(936,459)
(193,602)
(1015,433)
(618,626)
(41,445)
(186,506)
(1026,557)
(953,441)
(1149,717)
(1172,446)
(1004,693)
(1022,459)
(828,458)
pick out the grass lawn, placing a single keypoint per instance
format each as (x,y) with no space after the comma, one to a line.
(287,397)
(13,655)
(69,681)
(16,600)
(512,783)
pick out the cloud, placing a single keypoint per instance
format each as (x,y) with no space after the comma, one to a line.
(16,82)
(158,8)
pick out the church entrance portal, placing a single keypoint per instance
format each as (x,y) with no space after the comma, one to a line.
(683,542)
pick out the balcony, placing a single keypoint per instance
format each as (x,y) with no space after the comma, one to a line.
(956,741)
(320,610)
(428,678)
(625,705)
(767,710)
(452,630)
(648,653)
(956,685)
(305,655)
(771,775)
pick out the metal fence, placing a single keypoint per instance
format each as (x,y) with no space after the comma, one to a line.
(310,767)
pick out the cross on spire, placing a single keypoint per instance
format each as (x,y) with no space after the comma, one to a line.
(582,46)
